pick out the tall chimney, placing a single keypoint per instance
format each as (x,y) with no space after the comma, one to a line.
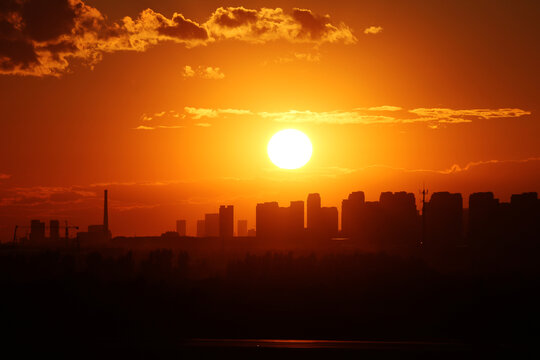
(106,217)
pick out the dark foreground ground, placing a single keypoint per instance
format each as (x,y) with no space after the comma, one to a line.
(162,303)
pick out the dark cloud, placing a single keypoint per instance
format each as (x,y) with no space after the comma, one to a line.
(43,37)
(47,19)
(235,17)
(183,28)
(312,25)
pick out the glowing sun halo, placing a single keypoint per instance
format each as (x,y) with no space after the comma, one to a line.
(289,149)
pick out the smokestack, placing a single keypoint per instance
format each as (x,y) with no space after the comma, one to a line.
(106,217)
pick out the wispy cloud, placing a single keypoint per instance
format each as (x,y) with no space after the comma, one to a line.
(208,72)
(170,126)
(451,114)
(297,56)
(327,117)
(198,113)
(373,30)
(33,195)
(433,118)
(384,108)
(455,168)
(4,176)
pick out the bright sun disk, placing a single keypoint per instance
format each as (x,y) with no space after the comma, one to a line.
(289,149)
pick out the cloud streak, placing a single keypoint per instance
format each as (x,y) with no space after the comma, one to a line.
(208,72)
(41,38)
(385,114)
(199,113)
(373,30)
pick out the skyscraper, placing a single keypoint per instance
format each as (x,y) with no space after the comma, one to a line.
(37,231)
(351,209)
(201,228)
(226,221)
(54,230)
(181,227)
(444,219)
(211,225)
(242,228)
(278,222)
(106,216)
(313,211)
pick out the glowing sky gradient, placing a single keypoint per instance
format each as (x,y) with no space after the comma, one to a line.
(171,104)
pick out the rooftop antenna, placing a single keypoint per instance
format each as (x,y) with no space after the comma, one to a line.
(106,216)
(424,192)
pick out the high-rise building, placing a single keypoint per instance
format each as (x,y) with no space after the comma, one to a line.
(482,224)
(226,221)
(400,218)
(54,230)
(201,228)
(294,219)
(37,231)
(351,209)
(277,222)
(211,225)
(313,211)
(525,217)
(328,222)
(181,227)
(242,228)
(106,216)
(444,219)
(266,219)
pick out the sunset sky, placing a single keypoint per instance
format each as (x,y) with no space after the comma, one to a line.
(170,104)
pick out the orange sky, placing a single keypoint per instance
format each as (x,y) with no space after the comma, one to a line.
(173,113)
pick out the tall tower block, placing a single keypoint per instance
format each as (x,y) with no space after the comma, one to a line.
(106,216)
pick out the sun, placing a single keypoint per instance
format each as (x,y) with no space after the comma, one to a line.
(289,149)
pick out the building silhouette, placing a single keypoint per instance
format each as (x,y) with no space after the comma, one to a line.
(241,228)
(328,222)
(211,225)
(444,219)
(351,209)
(37,231)
(483,215)
(97,234)
(400,218)
(525,218)
(273,221)
(54,230)
(201,228)
(313,211)
(226,221)
(181,227)
(106,231)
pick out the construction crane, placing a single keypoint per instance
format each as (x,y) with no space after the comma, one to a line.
(424,192)
(70,227)
(15,231)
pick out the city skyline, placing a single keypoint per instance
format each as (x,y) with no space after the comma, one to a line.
(120,95)
(270,178)
(394,217)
